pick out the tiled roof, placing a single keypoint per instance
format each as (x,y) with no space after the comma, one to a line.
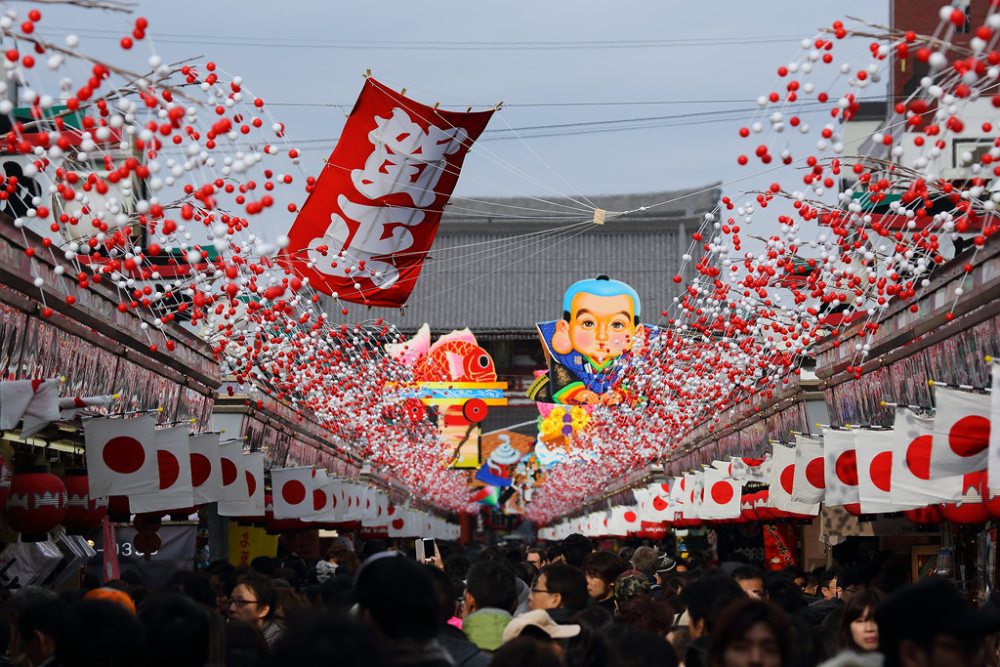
(498,266)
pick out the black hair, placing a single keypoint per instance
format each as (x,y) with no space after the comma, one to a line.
(567,581)
(263,589)
(399,596)
(195,585)
(492,585)
(631,647)
(707,597)
(605,565)
(94,625)
(445,588)
(526,651)
(178,631)
(748,572)
(575,548)
(737,619)
(326,639)
(372,547)
(46,616)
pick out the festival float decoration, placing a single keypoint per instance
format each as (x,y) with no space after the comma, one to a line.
(458,378)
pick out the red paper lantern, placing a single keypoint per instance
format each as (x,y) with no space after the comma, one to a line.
(37,503)
(971,510)
(653,530)
(925,516)
(853,509)
(748,513)
(83,513)
(991,501)
(119,511)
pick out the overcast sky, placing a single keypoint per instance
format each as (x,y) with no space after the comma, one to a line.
(551,63)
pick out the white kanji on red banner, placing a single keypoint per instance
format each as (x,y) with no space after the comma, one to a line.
(121,456)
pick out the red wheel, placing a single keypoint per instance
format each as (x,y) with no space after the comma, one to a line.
(475,410)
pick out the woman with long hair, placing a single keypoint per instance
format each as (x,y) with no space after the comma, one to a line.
(858,631)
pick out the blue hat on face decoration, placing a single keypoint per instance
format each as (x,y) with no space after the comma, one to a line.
(601,286)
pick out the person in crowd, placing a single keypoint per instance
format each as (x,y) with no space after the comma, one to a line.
(288,604)
(538,557)
(929,625)
(796,575)
(602,568)
(341,556)
(751,580)
(751,633)
(850,582)
(37,627)
(829,600)
(177,631)
(396,598)
(644,559)
(457,566)
(372,547)
(783,591)
(858,631)
(647,614)
(254,601)
(629,646)
(245,645)
(462,650)
(555,553)
(628,585)
(539,624)
(705,600)
(490,598)
(526,652)
(98,633)
(560,589)
(575,548)
(327,639)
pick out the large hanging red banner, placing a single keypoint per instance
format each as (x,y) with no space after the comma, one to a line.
(364,232)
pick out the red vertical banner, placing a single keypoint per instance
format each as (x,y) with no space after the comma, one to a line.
(110,552)
(365,229)
(780,546)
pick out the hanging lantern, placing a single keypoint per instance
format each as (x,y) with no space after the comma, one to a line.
(119,510)
(83,513)
(991,501)
(747,511)
(925,516)
(37,503)
(853,509)
(970,510)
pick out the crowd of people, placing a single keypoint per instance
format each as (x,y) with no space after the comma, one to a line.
(567,604)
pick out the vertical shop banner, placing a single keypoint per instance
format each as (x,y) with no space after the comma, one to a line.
(365,229)
(109,570)
(779,546)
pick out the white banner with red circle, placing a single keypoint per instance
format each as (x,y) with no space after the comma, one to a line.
(121,456)
(173,457)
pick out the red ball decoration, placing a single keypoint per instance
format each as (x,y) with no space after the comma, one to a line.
(925,516)
(37,503)
(83,513)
